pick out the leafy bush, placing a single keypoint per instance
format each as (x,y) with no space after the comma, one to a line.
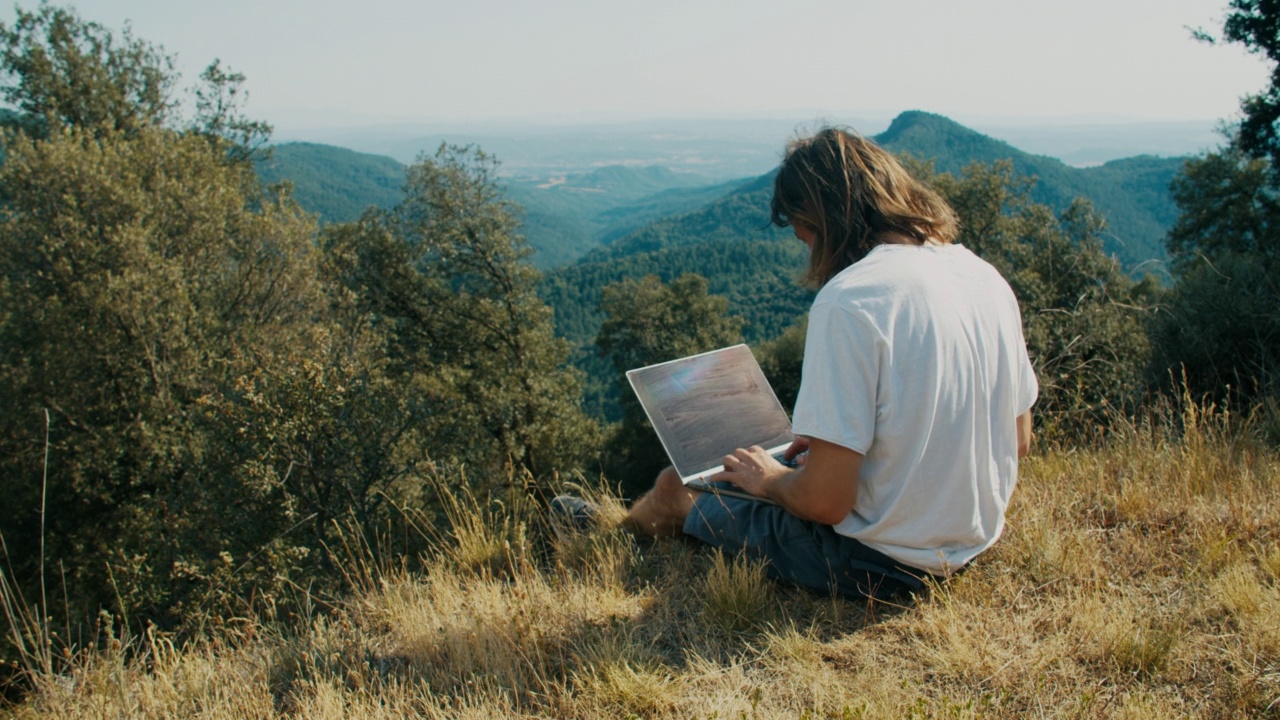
(230,394)
(649,322)
(141,275)
(1083,317)
(1220,333)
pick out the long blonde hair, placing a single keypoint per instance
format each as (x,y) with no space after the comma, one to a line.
(847,190)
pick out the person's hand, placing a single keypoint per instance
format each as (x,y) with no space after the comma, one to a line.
(798,450)
(751,469)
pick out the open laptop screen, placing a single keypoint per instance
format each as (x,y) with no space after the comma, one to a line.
(705,406)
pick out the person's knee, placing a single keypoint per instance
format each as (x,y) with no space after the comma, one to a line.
(668,481)
(669,489)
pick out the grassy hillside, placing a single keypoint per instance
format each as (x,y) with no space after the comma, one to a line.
(1137,581)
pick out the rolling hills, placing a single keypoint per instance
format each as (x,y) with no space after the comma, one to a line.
(755,266)
(1132,193)
(334,183)
(589,229)
(566,216)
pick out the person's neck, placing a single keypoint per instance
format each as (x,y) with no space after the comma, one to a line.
(893,237)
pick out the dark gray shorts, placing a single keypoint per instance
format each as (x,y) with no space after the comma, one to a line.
(797,551)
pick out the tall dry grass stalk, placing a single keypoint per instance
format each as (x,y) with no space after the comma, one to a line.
(737,595)
(1140,579)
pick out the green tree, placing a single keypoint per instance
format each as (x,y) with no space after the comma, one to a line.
(647,322)
(170,315)
(61,71)
(225,392)
(1255,24)
(1083,317)
(445,272)
(139,274)
(1228,206)
(1221,333)
(218,102)
(1221,330)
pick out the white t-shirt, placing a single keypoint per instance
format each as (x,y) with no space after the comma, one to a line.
(915,358)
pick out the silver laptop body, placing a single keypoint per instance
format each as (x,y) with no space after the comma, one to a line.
(705,406)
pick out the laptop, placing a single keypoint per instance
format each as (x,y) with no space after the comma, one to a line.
(705,406)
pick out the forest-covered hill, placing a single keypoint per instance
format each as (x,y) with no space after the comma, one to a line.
(1132,194)
(730,242)
(641,209)
(334,183)
(566,216)
(591,229)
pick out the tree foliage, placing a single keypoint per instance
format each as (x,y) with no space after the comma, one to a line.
(1083,317)
(1221,334)
(1228,206)
(145,274)
(141,273)
(232,395)
(1255,24)
(1221,331)
(445,273)
(648,322)
(62,72)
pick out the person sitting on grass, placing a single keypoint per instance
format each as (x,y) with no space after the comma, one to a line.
(915,396)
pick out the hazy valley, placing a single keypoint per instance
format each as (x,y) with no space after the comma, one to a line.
(588,191)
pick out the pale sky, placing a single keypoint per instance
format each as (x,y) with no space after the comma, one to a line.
(314,63)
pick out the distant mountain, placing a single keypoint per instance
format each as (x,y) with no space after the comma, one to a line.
(719,148)
(567,215)
(335,183)
(730,242)
(1132,194)
(729,148)
(624,209)
(564,216)
(1084,144)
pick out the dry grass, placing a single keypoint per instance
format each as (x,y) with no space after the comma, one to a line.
(736,594)
(1141,580)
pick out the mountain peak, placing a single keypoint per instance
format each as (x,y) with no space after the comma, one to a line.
(919,121)
(952,145)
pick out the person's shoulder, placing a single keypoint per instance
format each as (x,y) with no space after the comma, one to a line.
(960,256)
(905,268)
(869,285)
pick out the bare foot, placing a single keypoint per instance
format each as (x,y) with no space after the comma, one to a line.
(661,512)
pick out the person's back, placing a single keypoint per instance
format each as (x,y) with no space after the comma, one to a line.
(915,359)
(914,404)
